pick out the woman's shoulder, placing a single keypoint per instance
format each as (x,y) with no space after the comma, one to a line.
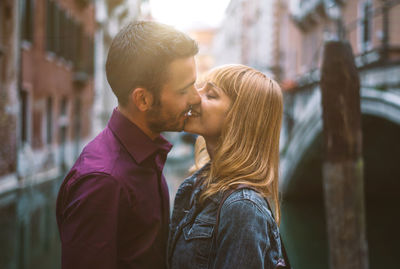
(186,188)
(189,182)
(246,208)
(249,201)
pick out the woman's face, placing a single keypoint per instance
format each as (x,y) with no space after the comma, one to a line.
(207,119)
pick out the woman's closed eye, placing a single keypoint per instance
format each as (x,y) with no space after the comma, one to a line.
(210,91)
(211,95)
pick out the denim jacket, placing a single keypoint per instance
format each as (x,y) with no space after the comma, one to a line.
(248,236)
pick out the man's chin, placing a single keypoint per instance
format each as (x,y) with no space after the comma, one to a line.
(176,128)
(190,128)
(165,125)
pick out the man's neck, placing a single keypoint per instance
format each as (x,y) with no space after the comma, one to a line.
(139,121)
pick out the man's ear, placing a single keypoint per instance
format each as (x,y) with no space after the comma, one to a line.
(142,98)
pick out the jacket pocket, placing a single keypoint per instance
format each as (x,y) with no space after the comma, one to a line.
(198,238)
(198,230)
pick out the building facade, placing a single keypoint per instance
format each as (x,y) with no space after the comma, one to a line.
(9,57)
(205,59)
(57,41)
(248,34)
(47,81)
(111,16)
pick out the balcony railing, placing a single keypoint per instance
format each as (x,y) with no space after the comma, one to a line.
(378,56)
(370,52)
(309,13)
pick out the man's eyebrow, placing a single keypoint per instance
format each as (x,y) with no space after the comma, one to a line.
(187,86)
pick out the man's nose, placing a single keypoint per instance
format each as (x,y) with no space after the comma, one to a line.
(195,98)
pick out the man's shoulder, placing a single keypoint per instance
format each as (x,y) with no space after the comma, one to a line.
(100,154)
(97,158)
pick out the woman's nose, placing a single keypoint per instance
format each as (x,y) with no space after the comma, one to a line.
(195,97)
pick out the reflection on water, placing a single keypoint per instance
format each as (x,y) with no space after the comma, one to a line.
(304,234)
(383,222)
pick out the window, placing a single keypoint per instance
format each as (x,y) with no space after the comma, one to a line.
(63,123)
(27,7)
(78,46)
(49,120)
(67,38)
(50,25)
(24,116)
(87,51)
(56,30)
(53,14)
(91,56)
(2,49)
(366,26)
(77,125)
(63,33)
(77,121)
(73,42)
(69,24)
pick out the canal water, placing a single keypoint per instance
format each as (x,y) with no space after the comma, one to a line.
(303,230)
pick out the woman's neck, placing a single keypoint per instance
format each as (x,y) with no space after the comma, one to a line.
(211,144)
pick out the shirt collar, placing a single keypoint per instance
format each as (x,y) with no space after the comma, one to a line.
(136,142)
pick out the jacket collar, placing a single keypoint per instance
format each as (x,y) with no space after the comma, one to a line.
(216,198)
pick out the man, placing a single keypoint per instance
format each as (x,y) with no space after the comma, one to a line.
(113,206)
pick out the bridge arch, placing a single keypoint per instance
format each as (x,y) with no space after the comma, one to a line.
(301,184)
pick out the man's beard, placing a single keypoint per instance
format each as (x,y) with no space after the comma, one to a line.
(159,123)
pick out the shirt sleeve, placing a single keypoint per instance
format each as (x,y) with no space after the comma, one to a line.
(242,240)
(90,219)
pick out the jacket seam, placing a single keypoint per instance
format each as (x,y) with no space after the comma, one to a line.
(230,201)
(238,200)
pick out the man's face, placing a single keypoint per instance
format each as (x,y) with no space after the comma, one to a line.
(176,97)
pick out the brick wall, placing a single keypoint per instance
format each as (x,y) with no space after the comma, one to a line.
(8,86)
(51,75)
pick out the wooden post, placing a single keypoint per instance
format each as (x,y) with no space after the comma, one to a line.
(343,164)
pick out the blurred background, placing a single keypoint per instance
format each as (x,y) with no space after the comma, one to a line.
(54,98)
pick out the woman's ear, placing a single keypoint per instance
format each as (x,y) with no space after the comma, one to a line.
(142,98)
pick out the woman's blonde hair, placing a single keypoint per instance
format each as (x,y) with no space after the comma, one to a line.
(248,149)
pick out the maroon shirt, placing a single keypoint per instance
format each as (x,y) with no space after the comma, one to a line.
(113,206)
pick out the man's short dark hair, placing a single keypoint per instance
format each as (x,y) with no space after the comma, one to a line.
(140,54)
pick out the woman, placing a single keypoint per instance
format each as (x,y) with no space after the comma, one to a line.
(221,218)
